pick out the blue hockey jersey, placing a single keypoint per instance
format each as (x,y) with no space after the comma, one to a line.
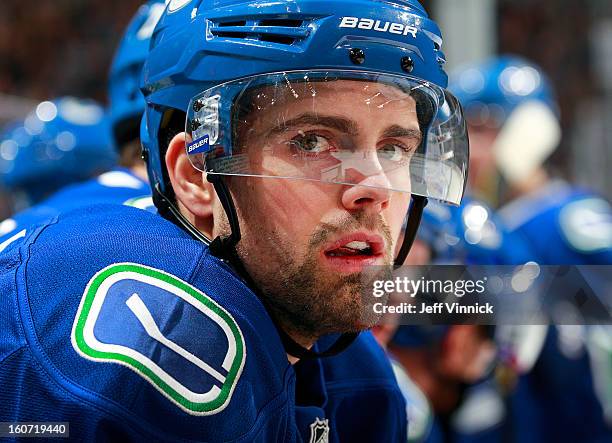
(563,225)
(126,328)
(488,241)
(363,398)
(118,186)
(119,323)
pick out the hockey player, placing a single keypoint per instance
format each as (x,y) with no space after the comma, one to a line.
(471,234)
(371,385)
(314,132)
(125,183)
(511,102)
(60,142)
(514,127)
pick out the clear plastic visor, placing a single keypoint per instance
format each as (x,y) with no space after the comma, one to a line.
(342,127)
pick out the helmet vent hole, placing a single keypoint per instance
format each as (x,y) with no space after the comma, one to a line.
(235,23)
(407,64)
(357,56)
(287,23)
(280,31)
(277,39)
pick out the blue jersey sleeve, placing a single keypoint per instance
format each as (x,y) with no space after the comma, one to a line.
(123,326)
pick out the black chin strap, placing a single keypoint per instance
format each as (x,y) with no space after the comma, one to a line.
(415,213)
(225,249)
(169,210)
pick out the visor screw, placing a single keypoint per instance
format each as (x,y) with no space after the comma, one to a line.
(197,105)
(407,64)
(195,125)
(357,56)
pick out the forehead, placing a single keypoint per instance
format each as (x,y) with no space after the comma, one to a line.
(340,96)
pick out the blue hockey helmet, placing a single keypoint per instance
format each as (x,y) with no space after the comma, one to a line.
(440,231)
(126,101)
(60,142)
(492,90)
(212,61)
(513,95)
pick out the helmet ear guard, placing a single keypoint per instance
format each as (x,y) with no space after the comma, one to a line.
(172,123)
(60,142)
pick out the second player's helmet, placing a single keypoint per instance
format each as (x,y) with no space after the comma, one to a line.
(440,231)
(126,101)
(513,95)
(492,90)
(212,65)
(60,142)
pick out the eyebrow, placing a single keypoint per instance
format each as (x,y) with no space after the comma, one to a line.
(341,124)
(402,132)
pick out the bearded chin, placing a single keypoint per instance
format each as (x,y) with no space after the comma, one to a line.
(310,302)
(306,299)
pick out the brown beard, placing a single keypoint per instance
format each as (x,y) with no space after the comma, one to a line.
(309,302)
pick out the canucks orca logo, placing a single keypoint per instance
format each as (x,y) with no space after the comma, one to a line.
(168,332)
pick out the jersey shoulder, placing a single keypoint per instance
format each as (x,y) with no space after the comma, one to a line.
(132,320)
(537,204)
(119,186)
(573,226)
(487,238)
(14,229)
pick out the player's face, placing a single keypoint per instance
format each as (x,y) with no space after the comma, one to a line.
(482,159)
(305,242)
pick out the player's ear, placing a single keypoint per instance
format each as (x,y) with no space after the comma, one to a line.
(190,186)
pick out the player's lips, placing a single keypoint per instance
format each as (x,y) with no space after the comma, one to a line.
(351,253)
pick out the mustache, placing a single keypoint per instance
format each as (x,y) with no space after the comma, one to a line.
(351,222)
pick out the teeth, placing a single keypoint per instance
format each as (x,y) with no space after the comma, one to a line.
(359,245)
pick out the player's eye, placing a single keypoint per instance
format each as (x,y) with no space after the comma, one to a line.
(310,143)
(395,152)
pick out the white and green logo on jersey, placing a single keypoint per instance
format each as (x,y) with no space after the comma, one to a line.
(119,321)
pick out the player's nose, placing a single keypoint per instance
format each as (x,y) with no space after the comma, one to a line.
(370,193)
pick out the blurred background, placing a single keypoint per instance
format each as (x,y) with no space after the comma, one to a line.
(572,41)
